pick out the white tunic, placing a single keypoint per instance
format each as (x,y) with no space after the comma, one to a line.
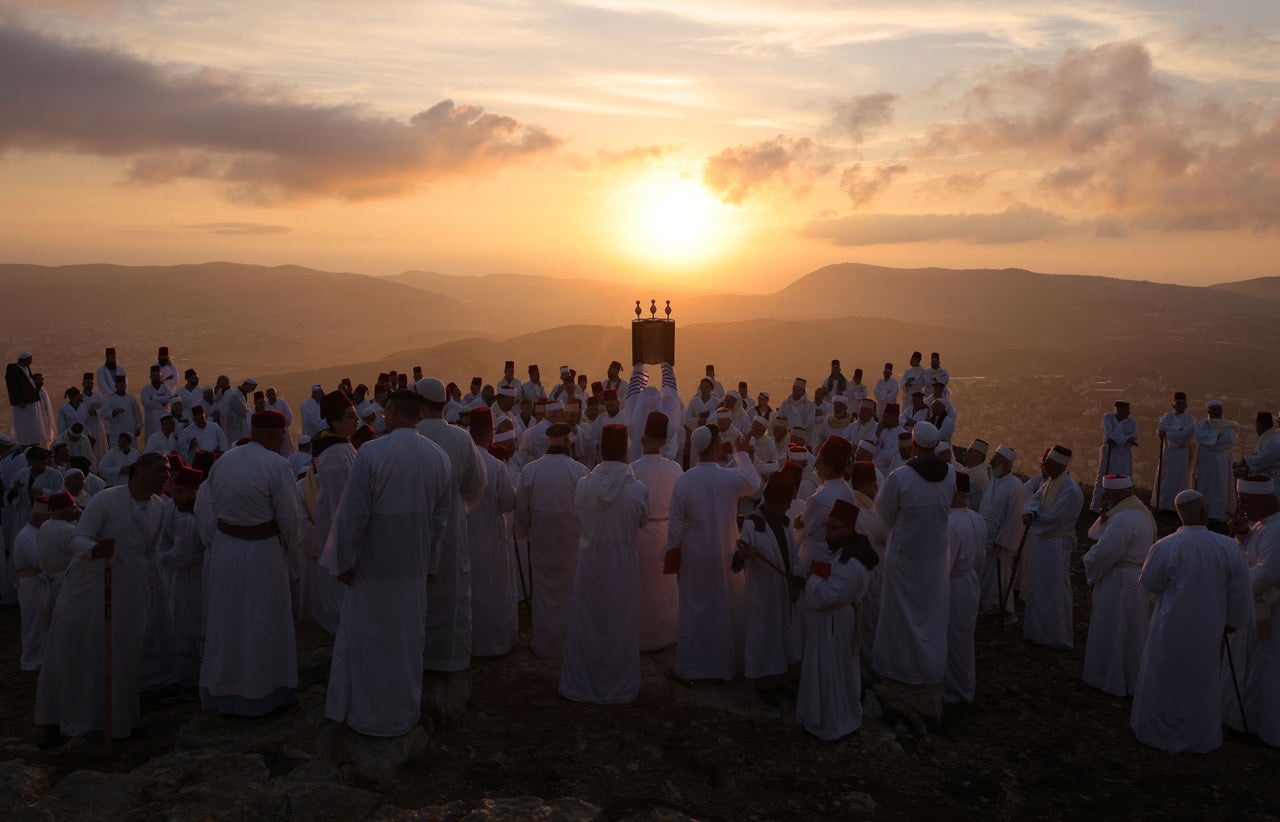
(54,545)
(286,447)
(771,626)
(184,559)
(704,522)
(332,469)
(33,597)
(122,415)
(250,649)
(1047,619)
(966,537)
(313,421)
(829,702)
(911,635)
(547,519)
(392,519)
(1115,456)
(1261,685)
(494,618)
(1213,467)
(659,592)
(1201,583)
(1265,459)
(235,420)
(1001,509)
(1118,624)
(601,648)
(812,536)
(69,694)
(1175,458)
(155,404)
(115,464)
(209,438)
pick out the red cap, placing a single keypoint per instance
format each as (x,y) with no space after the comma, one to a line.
(863,472)
(155,369)
(614,442)
(175,463)
(793,470)
(597,387)
(189,477)
(962,481)
(333,404)
(835,451)
(844,512)
(781,487)
(88,375)
(609,394)
(111,352)
(61,501)
(481,420)
(271,419)
(655,425)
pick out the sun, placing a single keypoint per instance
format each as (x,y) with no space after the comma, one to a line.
(669,218)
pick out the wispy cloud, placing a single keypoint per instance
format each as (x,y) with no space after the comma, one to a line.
(239,229)
(864,185)
(1016,224)
(263,144)
(737,173)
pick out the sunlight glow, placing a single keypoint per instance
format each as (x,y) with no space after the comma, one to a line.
(669,218)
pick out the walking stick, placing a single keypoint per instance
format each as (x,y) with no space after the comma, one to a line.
(1013,572)
(106,655)
(524,592)
(1231,664)
(1155,492)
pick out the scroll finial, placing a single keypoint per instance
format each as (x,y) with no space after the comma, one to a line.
(668,309)
(653,309)
(638,309)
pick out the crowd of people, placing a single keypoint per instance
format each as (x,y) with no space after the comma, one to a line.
(812,545)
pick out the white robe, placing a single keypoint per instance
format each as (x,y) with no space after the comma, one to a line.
(1265,459)
(33,597)
(184,560)
(96,423)
(313,421)
(332,469)
(286,447)
(494,591)
(1213,468)
(392,520)
(115,464)
(547,519)
(235,419)
(1001,510)
(1115,455)
(1047,618)
(1121,614)
(1261,685)
(54,545)
(601,647)
(813,535)
(69,693)
(659,592)
(448,643)
(829,701)
(966,538)
(194,438)
(1201,584)
(771,625)
(155,404)
(1175,458)
(250,649)
(123,416)
(911,635)
(703,513)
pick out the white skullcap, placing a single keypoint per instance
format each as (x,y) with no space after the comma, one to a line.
(942,447)
(701,439)
(504,436)
(431,389)
(555,405)
(1187,497)
(72,472)
(840,399)
(364,409)
(799,455)
(1255,485)
(271,388)
(1213,404)
(1006,452)
(942,379)
(25,355)
(250,381)
(1059,455)
(6,440)
(925,434)
(724,414)
(979,446)
(564,369)
(800,382)
(765,468)
(761,420)
(1116,482)
(506,391)
(317,387)
(869,446)
(305,439)
(733,394)
(478,402)
(764,394)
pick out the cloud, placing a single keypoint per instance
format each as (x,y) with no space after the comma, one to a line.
(1018,223)
(638,155)
(858,116)
(737,173)
(239,229)
(262,144)
(864,186)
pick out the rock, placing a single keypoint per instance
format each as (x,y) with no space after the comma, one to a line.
(313,666)
(445,696)
(377,759)
(871,706)
(314,770)
(919,707)
(215,771)
(311,800)
(20,784)
(659,815)
(858,802)
(296,729)
(524,809)
(90,794)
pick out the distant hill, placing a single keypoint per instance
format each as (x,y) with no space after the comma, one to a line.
(1262,288)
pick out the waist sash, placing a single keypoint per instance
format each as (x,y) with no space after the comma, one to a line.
(264,530)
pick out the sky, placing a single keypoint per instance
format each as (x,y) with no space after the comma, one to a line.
(732,145)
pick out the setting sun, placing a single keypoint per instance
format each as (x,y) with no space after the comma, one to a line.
(670,218)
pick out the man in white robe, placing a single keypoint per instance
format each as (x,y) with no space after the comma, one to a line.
(1216,437)
(116,463)
(913,378)
(95,419)
(235,410)
(701,536)
(334,456)
(913,503)
(201,435)
(1265,459)
(122,412)
(1176,429)
(72,411)
(33,588)
(190,393)
(165,440)
(659,593)
(1001,509)
(24,400)
(974,464)
(156,399)
(494,618)
(313,421)
(601,647)
(798,408)
(1120,616)
(168,369)
(886,389)
(1201,583)
(109,372)
(642,401)
(1115,456)
(277,403)
(886,439)
(1051,512)
(1261,544)
(829,701)
(53,542)
(250,665)
(123,524)
(532,388)
(829,465)
(389,527)
(966,539)
(448,641)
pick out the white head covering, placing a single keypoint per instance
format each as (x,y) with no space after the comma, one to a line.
(701,439)
(869,446)
(305,439)
(724,414)
(1186,497)
(504,436)
(1006,452)
(942,447)
(506,391)
(925,434)
(25,355)
(1116,482)
(1213,404)
(761,420)
(840,399)
(1255,485)
(432,389)
(555,405)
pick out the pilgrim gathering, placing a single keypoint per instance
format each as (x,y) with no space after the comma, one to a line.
(834,538)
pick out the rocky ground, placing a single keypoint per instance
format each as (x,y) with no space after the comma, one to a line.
(1036,743)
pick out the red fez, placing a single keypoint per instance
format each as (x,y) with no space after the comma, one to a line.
(453,386)
(242,441)
(203,460)
(270,419)
(533,369)
(163,351)
(499,450)
(614,442)
(61,501)
(843,512)
(189,477)
(175,463)
(334,404)
(863,472)
(541,401)
(655,425)
(1180,396)
(793,470)
(155,369)
(88,375)
(835,451)
(477,381)
(362,435)
(260,395)
(592,401)
(892,406)
(111,352)
(481,420)
(417,373)
(1265,418)
(402,380)
(962,481)
(609,395)
(781,487)
(508,364)
(904,435)
(598,387)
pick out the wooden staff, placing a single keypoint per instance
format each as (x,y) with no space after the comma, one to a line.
(753,553)
(1013,573)
(1231,664)
(106,655)
(1155,492)
(524,591)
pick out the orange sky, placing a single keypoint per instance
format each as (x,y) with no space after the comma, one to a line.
(736,144)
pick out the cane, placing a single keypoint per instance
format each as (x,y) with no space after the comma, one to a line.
(1013,572)
(106,654)
(1231,664)
(1155,493)
(524,592)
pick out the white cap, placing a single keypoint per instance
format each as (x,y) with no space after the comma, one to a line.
(1056,455)
(1213,404)
(925,434)
(555,405)
(305,439)
(317,387)
(978,446)
(724,414)
(701,439)
(1006,452)
(942,379)
(72,472)
(1188,496)
(5,439)
(431,389)
(250,381)
(564,369)
(759,419)
(1255,485)
(764,394)
(504,436)
(25,355)
(733,394)
(506,391)
(869,446)
(942,447)
(1116,482)
(840,399)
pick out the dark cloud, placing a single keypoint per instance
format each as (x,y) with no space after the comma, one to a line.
(239,229)
(864,185)
(736,173)
(1015,224)
(858,116)
(262,144)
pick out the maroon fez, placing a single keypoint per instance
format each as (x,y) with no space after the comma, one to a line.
(163,351)
(793,470)
(260,395)
(175,463)
(962,481)
(609,395)
(499,450)
(334,404)
(188,477)
(155,369)
(781,487)
(835,451)
(111,352)
(655,425)
(268,419)
(614,442)
(481,420)
(508,364)
(1265,418)
(892,406)
(844,512)
(1179,396)
(88,375)
(417,373)
(863,471)
(61,501)
(593,402)
(597,387)
(203,460)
